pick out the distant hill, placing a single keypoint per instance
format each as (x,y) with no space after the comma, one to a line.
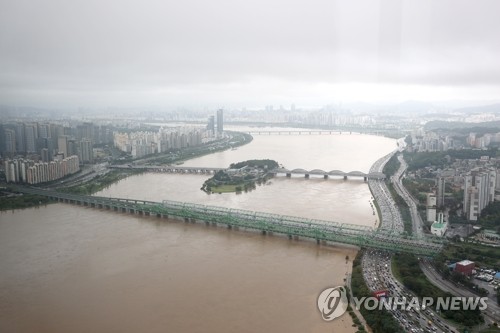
(453,125)
(492,108)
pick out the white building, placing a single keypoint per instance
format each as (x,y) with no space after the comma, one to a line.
(439,227)
(479,191)
(431,207)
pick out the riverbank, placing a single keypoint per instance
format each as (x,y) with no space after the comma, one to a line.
(102,181)
(233,141)
(10,199)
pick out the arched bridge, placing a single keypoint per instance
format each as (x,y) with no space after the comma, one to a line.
(204,170)
(326,174)
(291,226)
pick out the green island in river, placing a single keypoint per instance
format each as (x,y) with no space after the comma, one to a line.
(241,176)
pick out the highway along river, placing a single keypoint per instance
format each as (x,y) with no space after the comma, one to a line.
(68,268)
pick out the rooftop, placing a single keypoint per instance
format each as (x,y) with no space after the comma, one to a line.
(438,225)
(465,262)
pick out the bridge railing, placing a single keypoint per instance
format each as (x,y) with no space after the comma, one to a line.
(269,222)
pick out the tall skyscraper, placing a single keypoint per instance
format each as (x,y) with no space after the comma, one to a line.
(85,153)
(20,138)
(220,121)
(31,134)
(2,139)
(44,131)
(62,144)
(211,124)
(441,187)
(431,207)
(10,140)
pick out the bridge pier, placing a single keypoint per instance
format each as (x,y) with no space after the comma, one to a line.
(325,176)
(289,174)
(365,178)
(306,175)
(345,177)
(317,241)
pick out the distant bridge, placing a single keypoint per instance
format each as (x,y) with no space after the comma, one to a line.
(326,174)
(311,132)
(291,226)
(287,172)
(168,168)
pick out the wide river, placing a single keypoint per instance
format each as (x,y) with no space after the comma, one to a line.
(68,268)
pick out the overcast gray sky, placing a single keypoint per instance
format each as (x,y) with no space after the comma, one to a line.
(63,53)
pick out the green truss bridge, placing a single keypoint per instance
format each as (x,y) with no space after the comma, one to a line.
(290,226)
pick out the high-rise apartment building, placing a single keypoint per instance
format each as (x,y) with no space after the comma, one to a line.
(220,121)
(10,140)
(441,188)
(31,134)
(211,124)
(479,191)
(431,207)
(20,138)
(62,145)
(85,153)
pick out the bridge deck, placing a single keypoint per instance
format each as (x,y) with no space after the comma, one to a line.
(288,225)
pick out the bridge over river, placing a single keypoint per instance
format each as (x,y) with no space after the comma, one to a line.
(315,132)
(319,230)
(287,172)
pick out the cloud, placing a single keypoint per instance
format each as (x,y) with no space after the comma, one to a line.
(72,49)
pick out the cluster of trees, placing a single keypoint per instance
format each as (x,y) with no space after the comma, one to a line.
(483,256)
(391,166)
(22,201)
(490,216)
(261,164)
(240,182)
(408,269)
(99,182)
(439,159)
(424,159)
(419,188)
(380,321)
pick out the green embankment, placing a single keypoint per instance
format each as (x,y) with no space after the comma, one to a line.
(22,201)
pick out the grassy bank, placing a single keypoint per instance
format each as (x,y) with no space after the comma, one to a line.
(20,201)
(100,182)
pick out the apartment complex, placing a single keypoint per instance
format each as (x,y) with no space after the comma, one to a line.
(31,172)
(479,191)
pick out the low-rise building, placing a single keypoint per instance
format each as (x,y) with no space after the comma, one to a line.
(439,227)
(465,267)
